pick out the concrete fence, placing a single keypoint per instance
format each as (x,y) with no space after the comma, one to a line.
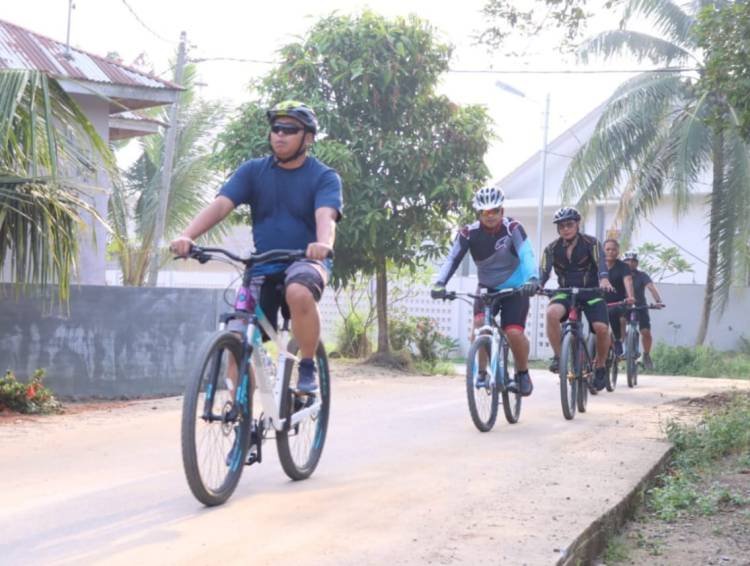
(134,341)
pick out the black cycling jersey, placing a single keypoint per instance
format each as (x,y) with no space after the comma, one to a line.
(585,268)
(617,274)
(640,282)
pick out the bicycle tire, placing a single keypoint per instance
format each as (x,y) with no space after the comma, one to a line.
(213,481)
(591,349)
(301,446)
(612,370)
(483,401)
(511,401)
(631,343)
(582,394)
(568,381)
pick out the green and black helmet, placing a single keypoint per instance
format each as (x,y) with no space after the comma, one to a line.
(297,110)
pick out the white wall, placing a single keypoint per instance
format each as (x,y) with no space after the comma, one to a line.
(91,266)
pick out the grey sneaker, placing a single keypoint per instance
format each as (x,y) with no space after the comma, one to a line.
(554,364)
(307,381)
(600,378)
(483,380)
(647,363)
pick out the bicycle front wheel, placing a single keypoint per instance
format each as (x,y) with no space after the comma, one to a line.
(568,381)
(611,369)
(214,435)
(583,368)
(305,418)
(511,401)
(631,343)
(483,398)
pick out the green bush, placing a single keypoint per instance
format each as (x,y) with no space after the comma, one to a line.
(351,338)
(700,361)
(31,397)
(420,335)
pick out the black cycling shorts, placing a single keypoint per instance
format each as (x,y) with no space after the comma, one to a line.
(513,311)
(593,306)
(644,320)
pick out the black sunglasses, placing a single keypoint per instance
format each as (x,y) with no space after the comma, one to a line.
(288,129)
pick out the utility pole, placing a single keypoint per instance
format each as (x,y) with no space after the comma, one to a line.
(166,168)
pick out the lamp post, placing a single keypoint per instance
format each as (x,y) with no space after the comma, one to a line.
(540,211)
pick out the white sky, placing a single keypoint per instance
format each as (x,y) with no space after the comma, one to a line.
(255,30)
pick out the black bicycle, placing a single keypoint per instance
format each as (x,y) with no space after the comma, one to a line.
(219,431)
(576,361)
(632,348)
(489,350)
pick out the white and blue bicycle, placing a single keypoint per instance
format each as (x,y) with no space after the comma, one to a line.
(220,432)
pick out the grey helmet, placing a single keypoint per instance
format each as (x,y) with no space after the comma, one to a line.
(297,110)
(630,255)
(488,198)
(566,213)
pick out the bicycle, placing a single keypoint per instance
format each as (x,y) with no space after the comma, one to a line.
(632,349)
(219,431)
(493,343)
(576,362)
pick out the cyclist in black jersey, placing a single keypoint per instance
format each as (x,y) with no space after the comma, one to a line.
(641,282)
(578,260)
(621,279)
(504,260)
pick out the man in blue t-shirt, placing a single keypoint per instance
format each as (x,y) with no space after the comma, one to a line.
(295,202)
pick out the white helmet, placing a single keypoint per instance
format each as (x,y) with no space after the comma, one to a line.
(488,198)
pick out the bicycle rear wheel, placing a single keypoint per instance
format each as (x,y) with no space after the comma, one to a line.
(300,444)
(483,401)
(569,385)
(511,401)
(215,437)
(631,343)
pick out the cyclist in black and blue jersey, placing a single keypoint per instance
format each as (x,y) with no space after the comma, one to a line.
(505,260)
(641,282)
(295,202)
(578,260)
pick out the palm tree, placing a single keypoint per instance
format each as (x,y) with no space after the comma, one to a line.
(134,204)
(659,132)
(49,156)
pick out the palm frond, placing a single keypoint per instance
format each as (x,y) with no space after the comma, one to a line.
(641,45)
(668,17)
(49,159)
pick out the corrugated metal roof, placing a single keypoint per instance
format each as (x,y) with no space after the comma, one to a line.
(23,49)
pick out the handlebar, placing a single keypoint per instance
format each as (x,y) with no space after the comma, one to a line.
(571,290)
(618,304)
(283,256)
(486,297)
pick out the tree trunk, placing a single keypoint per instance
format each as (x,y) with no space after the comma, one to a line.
(713,233)
(381,301)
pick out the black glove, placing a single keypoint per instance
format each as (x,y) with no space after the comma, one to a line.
(530,288)
(438,292)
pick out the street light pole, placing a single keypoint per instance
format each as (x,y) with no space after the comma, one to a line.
(535,314)
(539,219)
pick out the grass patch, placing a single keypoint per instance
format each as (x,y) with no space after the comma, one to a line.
(440,367)
(700,361)
(616,551)
(697,447)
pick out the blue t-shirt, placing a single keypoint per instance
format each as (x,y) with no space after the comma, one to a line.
(283,202)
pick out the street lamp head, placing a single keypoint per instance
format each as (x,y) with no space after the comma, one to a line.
(508,88)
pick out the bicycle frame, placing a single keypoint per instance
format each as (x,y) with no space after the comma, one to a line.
(497,337)
(574,325)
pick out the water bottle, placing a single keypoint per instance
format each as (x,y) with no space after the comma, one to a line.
(268,366)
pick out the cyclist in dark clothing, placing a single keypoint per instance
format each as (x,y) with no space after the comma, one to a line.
(622,281)
(578,260)
(504,260)
(641,282)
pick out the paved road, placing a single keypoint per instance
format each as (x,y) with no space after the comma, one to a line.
(404,479)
